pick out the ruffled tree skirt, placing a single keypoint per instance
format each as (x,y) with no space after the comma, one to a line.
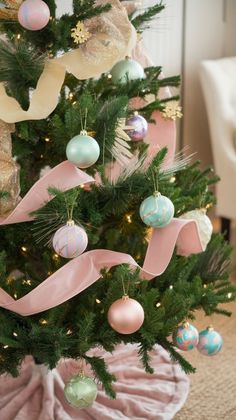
(37,394)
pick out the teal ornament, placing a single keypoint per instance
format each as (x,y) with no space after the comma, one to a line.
(210,342)
(80,391)
(127,69)
(83,150)
(157,211)
(186,337)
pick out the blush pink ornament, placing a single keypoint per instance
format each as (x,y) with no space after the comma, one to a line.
(70,240)
(33,14)
(126,315)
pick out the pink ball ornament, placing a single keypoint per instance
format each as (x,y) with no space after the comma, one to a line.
(70,240)
(126,315)
(186,337)
(33,14)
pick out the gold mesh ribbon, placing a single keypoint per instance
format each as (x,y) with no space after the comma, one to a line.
(9,12)
(9,171)
(113,37)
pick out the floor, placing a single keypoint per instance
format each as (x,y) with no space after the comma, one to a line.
(213,386)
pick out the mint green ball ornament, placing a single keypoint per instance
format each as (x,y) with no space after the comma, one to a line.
(157,211)
(80,391)
(83,150)
(125,70)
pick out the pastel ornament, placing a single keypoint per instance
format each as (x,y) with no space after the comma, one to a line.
(83,150)
(33,15)
(204,225)
(80,391)
(157,211)
(186,337)
(210,342)
(126,315)
(139,127)
(70,240)
(127,70)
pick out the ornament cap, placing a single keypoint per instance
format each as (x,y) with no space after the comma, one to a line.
(70,222)
(210,328)
(128,57)
(83,133)
(186,324)
(125,297)
(156,194)
(136,113)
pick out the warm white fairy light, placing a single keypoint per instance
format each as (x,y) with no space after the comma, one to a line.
(158,304)
(172,179)
(24,248)
(18,36)
(229,295)
(6,346)
(15,295)
(43,321)
(47,139)
(171,287)
(15,334)
(98,301)
(69,332)
(128,218)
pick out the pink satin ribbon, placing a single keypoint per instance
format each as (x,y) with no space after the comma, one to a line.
(83,271)
(64,177)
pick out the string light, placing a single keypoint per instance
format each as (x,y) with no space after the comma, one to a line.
(109,76)
(15,295)
(204,286)
(71,96)
(41,156)
(15,334)
(55,256)
(69,332)
(47,139)
(28,282)
(98,301)
(75,102)
(128,218)
(18,36)
(158,304)
(172,179)
(82,186)
(24,248)
(43,321)
(171,287)
(229,295)
(6,346)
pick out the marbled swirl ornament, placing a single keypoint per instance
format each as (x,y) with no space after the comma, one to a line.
(140,127)
(33,14)
(80,391)
(70,240)
(157,211)
(210,342)
(186,337)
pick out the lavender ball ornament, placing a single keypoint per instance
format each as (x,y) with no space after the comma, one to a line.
(70,240)
(210,342)
(140,127)
(186,337)
(33,14)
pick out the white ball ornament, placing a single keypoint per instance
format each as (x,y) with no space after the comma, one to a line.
(70,240)
(125,70)
(83,150)
(204,225)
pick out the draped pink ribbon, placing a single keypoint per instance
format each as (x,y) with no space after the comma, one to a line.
(83,271)
(64,177)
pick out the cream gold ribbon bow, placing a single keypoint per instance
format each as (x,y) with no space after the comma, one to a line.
(113,38)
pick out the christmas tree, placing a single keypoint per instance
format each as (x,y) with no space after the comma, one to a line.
(91,255)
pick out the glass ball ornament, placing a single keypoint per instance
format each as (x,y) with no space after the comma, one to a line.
(80,391)
(125,70)
(83,150)
(157,211)
(210,342)
(186,337)
(33,14)
(140,127)
(70,240)
(126,315)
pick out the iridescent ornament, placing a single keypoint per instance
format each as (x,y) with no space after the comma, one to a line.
(83,150)
(127,70)
(157,211)
(80,391)
(186,337)
(139,127)
(126,315)
(70,240)
(210,342)
(204,225)
(33,14)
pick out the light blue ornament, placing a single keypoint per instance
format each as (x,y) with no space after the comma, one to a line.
(157,211)
(83,150)
(127,69)
(186,337)
(210,342)
(81,391)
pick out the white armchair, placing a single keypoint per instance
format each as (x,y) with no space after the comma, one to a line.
(218,80)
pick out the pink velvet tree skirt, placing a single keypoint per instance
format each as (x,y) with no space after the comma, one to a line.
(38,394)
